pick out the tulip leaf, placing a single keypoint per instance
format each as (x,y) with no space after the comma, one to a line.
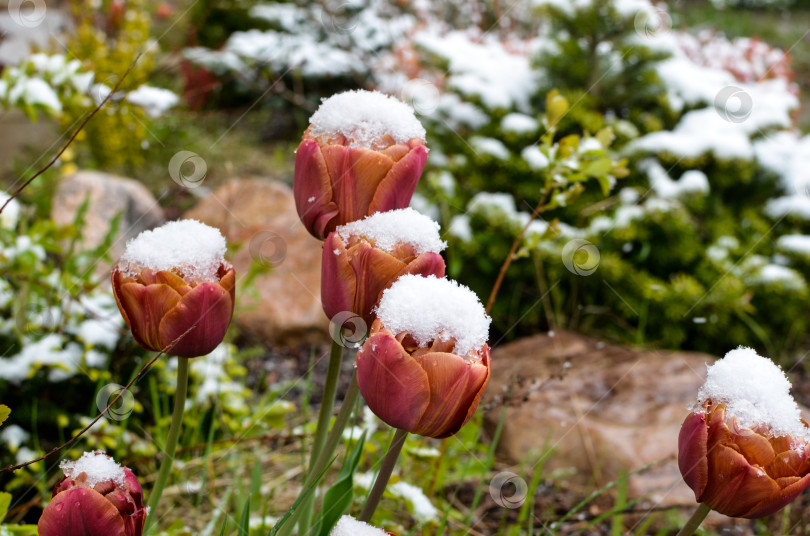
(5,502)
(301,498)
(5,411)
(338,498)
(244,524)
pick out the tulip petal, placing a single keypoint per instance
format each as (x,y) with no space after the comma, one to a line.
(780,499)
(426,264)
(756,448)
(312,189)
(455,388)
(145,306)
(396,190)
(692,453)
(356,174)
(735,487)
(338,280)
(207,309)
(789,463)
(173,280)
(374,270)
(393,384)
(80,512)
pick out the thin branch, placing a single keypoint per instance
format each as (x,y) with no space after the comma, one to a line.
(509,258)
(19,190)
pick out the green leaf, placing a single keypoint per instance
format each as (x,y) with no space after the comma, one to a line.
(301,498)
(5,502)
(599,167)
(5,411)
(604,182)
(244,524)
(338,498)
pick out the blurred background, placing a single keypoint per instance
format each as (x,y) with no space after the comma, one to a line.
(700,244)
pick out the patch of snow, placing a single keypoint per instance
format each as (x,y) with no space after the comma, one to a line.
(349,526)
(97,466)
(519,123)
(692,181)
(421,507)
(429,308)
(460,228)
(534,157)
(13,436)
(755,391)
(11,214)
(365,117)
(194,249)
(490,146)
(393,227)
(154,100)
(794,243)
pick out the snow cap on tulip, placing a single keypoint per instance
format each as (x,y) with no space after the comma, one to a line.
(349,526)
(744,448)
(363,258)
(97,497)
(362,153)
(175,289)
(431,308)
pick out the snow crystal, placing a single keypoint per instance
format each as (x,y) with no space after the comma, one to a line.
(534,157)
(755,390)
(387,229)
(365,117)
(97,466)
(795,243)
(490,146)
(421,507)
(153,100)
(519,123)
(430,308)
(349,526)
(188,246)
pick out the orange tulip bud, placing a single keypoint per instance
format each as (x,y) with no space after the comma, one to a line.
(745,454)
(363,258)
(363,153)
(97,497)
(175,290)
(427,387)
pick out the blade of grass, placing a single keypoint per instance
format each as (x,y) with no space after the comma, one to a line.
(244,523)
(488,465)
(301,498)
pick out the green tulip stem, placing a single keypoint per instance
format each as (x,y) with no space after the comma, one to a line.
(171,440)
(694,522)
(324,417)
(384,475)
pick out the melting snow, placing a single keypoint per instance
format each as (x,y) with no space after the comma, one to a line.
(97,466)
(349,526)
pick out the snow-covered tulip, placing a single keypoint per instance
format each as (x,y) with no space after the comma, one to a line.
(426,363)
(362,153)
(175,290)
(349,526)
(744,449)
(363,258)
(97,497)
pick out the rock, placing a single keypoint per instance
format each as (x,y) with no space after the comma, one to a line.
(603,409)
(282,305)
(108,196)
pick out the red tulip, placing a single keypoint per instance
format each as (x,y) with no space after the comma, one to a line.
(160,306)
(110,507)
(338,180)
(355,272)
(428,391)
(738,471)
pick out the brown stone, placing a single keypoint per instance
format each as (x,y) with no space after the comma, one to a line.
(282,304)
(602,409)
(107,195)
